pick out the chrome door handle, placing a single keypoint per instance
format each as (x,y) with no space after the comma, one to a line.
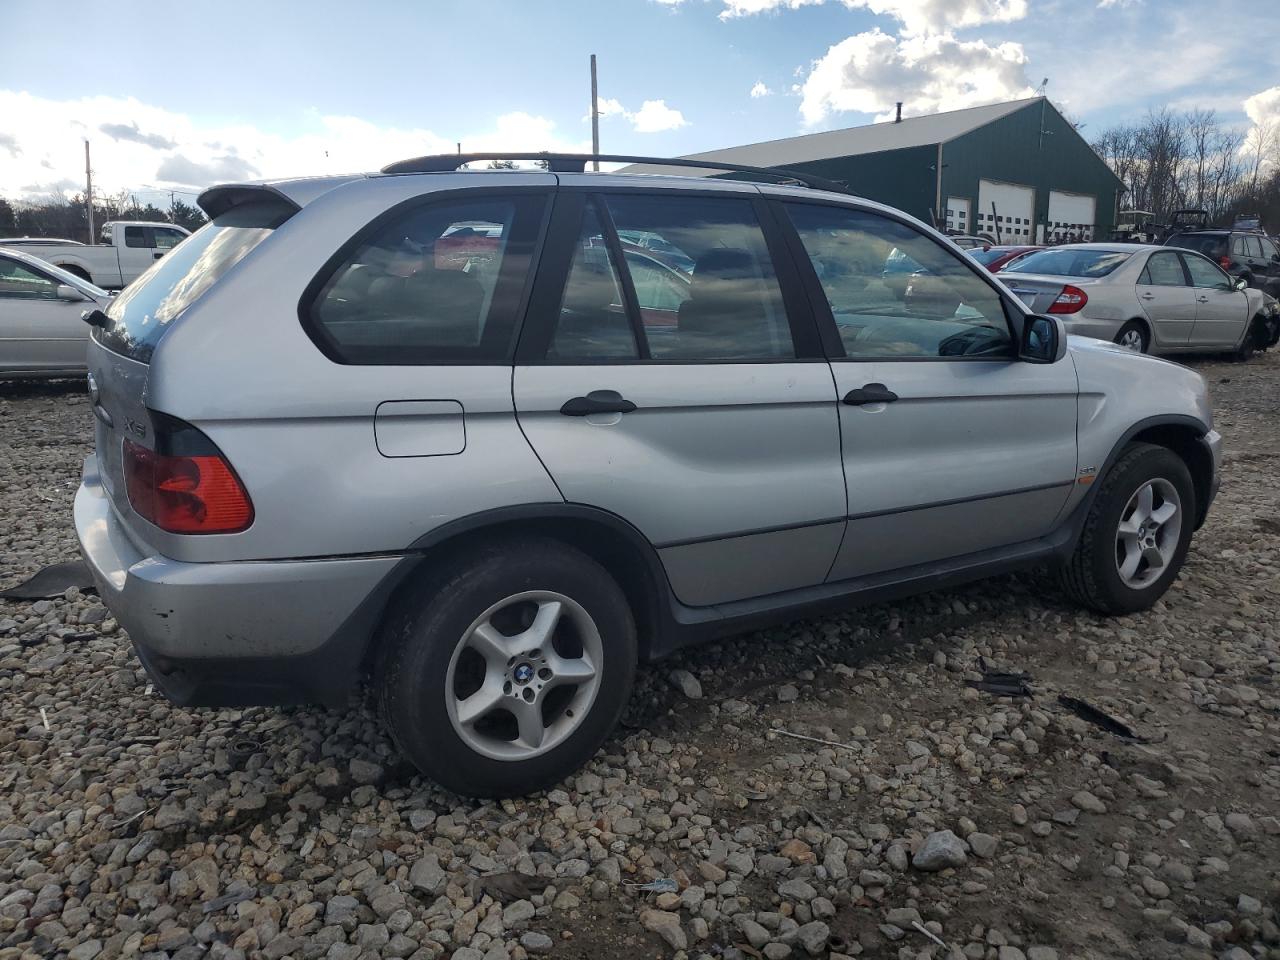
(1202,299)
(1147,296)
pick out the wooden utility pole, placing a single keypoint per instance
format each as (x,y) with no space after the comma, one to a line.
(595,117)
(88,192)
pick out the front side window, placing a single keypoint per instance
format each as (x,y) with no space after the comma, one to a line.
(19,282)
(438,284)
(135,237)
(895,293)
(1163,270)
(704,282)
(1205,273)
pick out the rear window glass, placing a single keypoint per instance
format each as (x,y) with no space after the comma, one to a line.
(141,314)
(1064,262)
(1210,244)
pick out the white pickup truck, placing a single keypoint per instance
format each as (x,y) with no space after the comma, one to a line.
(128,247)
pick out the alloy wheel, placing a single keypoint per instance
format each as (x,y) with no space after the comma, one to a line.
(1148,534)
(1131,340)
(524,675)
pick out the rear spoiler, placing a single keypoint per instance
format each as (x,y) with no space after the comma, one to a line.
(219,199)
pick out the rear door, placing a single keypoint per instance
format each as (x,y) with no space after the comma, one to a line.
(38,330)
(1165,295)
(1221,310)
(697,408)
(951,445)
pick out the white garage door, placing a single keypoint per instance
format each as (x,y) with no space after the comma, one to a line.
(1014,207)
(1071,216)
(958,220)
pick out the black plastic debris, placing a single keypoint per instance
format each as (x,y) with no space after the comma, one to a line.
(507,887)
(52,581)
(1099,718)
(1001,683)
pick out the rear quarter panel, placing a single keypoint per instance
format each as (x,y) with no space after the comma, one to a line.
(299,428)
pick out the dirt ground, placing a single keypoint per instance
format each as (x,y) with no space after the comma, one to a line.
(1149,829)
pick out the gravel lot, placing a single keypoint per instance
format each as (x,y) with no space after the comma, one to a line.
(938,821)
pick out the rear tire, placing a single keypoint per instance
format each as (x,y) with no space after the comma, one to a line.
(511,670)
(1134,336)
(1136,535)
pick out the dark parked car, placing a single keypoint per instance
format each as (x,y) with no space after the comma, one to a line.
(1250,254)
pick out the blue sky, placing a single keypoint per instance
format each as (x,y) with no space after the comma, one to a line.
(176,95)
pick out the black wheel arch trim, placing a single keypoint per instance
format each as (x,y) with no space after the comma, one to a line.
(1197,426)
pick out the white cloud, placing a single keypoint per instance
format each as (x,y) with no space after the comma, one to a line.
(137,146)
(654,116)
(916,16)
(759,89)
(869,72)
(1264,108)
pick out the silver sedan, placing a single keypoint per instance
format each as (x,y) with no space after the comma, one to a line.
(1149,299)
(41,333)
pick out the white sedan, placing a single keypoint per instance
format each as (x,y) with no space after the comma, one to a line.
(41,333)
(1147,298)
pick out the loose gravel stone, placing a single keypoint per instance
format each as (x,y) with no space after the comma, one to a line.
(130,828)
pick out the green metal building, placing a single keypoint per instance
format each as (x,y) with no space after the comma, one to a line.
(1015,172)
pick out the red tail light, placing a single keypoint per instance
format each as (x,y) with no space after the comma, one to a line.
(1070,300)
(1224,262)
(185,485)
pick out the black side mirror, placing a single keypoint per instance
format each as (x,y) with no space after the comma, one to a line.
(1044,340)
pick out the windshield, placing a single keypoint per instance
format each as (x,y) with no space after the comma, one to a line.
(141,314)
(1066,262)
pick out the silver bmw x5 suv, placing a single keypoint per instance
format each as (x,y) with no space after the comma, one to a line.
(459,433)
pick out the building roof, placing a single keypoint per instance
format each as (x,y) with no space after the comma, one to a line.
(851,141)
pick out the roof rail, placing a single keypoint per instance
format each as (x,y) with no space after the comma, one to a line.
(577,163)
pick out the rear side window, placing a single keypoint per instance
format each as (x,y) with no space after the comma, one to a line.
(135,237)
(1163,270)
(593,322)
(439,283)
(139,316)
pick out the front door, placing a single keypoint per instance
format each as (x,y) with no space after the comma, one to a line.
(694,404)
(951,445)
(39,330)
(1166,297)
(1222,311)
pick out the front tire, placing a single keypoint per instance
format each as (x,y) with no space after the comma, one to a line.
(1136,535)
(1134,336)
(511,671)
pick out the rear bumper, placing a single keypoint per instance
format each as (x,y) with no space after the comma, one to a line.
(237,633)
